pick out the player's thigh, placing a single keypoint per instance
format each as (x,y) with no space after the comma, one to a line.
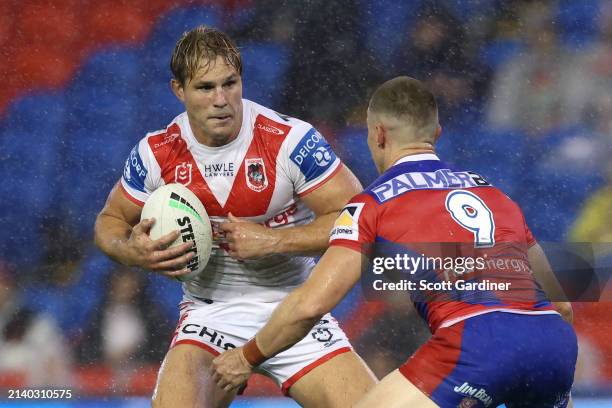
(395,391)
(339,382)
(185,380)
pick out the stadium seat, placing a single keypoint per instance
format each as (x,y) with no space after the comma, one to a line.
(158,49)
(55,28)
(496,155)
(157,107)
(497,53)
(118,23)
(37,114)
(44,68)
(264,69)
(167,294)
(469,9)
(352,148)
(552,197)
(387,23)
(119,67)
(577,21)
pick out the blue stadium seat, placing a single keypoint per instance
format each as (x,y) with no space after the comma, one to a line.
(497,53)
(157,107)
(94,106)
(469,9)
(31,147)
(167,294)
(264,69)
(551,199)
(351,145)
(496,155)
(168,30)
(117,68)
(38,113)
(94,161)
(578,21)
(387,23)
(73,305)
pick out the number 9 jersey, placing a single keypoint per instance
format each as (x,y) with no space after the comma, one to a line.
(422,207)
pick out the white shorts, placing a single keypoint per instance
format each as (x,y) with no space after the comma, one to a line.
(221,325)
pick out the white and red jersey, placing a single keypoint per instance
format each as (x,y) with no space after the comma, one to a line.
(259,176)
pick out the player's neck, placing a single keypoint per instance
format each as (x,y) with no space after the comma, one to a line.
(212,140)
(409,150)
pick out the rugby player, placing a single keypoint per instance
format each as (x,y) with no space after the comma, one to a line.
(272,187)
(486,348)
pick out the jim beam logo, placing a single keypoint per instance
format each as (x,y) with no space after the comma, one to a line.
(347,223)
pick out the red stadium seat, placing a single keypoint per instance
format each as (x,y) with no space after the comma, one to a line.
(13,379)
(143,380)
(48,27)
(43,69)
(94,379)
(116,23)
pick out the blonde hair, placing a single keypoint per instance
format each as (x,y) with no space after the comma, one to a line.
(200,47)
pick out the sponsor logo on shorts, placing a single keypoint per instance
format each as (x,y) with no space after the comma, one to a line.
(347,223)
(208,335)
(473,392)
(323,334)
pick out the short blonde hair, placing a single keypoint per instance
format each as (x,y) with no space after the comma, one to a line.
(202,45)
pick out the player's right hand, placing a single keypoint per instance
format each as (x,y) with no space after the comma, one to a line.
(155,255)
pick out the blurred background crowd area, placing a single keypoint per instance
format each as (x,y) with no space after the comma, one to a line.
(524,89)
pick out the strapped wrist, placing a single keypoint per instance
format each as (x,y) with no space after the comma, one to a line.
(252,353)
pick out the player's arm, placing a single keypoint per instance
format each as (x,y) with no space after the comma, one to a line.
(250,240)
(549,283)
(121,235)
(335,274)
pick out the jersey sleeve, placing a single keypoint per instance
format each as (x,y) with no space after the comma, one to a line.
(531,241)
(141,174)
(355,227)
(311,161)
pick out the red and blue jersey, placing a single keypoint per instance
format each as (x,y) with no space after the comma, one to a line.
(424,207)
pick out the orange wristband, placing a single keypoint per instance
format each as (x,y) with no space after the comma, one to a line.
(252,353)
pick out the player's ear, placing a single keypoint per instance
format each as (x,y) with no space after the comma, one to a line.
(381,135)
(178,90)
(438,133)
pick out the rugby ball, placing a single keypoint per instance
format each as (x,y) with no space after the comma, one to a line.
(175,207)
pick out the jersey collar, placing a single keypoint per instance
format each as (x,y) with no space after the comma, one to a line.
(417,157)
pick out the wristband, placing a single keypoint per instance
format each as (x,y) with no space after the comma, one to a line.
(252,353)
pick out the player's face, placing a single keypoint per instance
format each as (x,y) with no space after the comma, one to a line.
(213,101)
(375,151)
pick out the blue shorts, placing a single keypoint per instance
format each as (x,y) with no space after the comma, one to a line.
(484,361)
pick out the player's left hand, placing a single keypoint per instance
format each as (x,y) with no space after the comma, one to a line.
(231,369)
(248,240)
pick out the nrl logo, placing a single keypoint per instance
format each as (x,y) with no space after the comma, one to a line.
(256,174)
(182,174)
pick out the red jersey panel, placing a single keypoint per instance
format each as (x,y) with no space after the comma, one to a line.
(425,222)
